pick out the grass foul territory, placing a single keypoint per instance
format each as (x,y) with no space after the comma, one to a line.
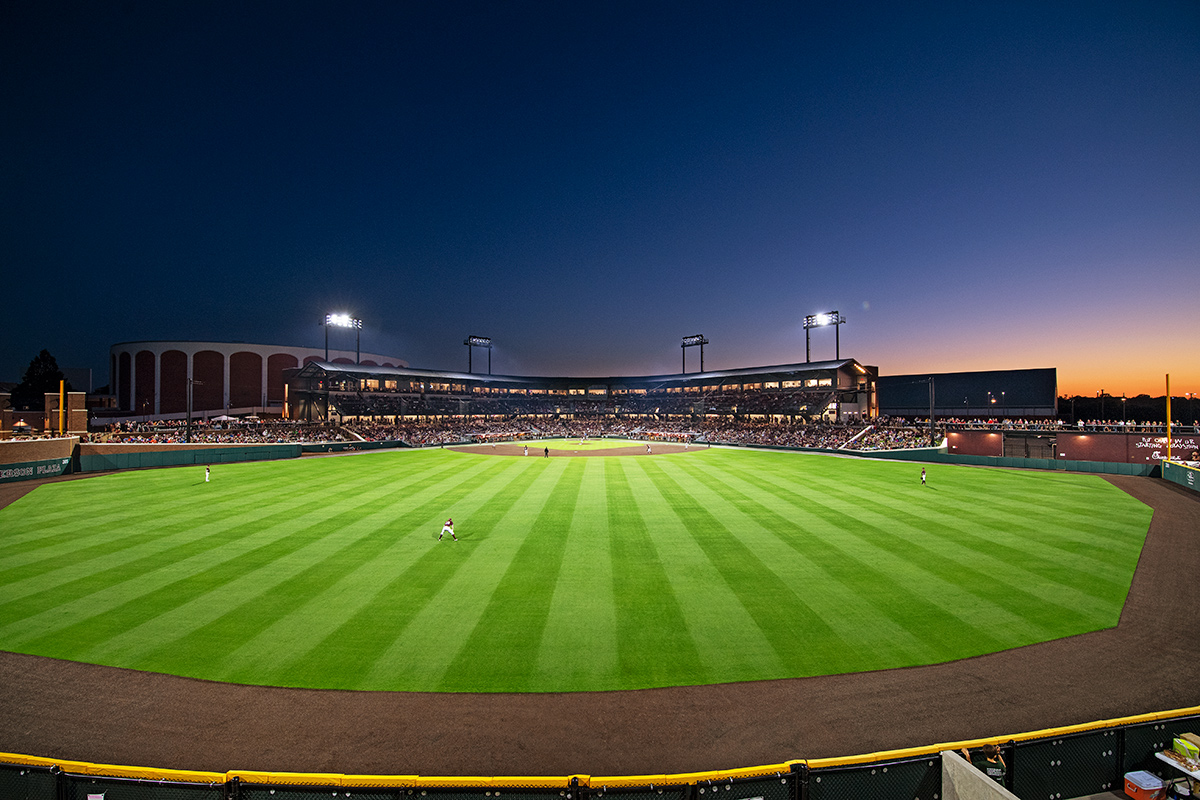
(570,574)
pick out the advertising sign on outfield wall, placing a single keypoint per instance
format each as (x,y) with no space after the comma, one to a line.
(31,470)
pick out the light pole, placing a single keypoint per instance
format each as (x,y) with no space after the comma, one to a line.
(819,321)
(187,436)
(693,341)
(478,341)
(344,321)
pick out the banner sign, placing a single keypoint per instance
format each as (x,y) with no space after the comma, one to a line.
(32,470)
(1131,448)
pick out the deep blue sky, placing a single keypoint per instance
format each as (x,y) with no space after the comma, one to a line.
(973,185)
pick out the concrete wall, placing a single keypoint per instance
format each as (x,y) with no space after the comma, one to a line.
(37,449)
(961,781)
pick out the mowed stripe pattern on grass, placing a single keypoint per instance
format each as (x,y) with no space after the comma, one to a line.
(570,574)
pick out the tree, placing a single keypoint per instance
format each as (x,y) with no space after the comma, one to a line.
(42,376)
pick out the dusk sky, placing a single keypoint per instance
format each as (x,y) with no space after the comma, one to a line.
(974,185)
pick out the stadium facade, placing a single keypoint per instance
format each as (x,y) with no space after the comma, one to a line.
(152,377)
(820,390)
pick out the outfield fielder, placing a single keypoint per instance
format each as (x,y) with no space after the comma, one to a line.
(448,528)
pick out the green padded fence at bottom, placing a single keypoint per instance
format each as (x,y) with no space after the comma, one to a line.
(105,462)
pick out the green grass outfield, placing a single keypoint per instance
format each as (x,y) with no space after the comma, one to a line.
(571,574)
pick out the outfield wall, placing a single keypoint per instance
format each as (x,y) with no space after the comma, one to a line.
(1127,448)
(1182,474)
(1056,763)
(1062,464)
(31,459)
(108,457)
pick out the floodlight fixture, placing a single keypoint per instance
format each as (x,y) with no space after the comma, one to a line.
(820,321)
(697,340)
(478,341)
(344,321)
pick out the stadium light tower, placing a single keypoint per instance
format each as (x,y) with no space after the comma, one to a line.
(343,321)
(693,341)
(187,436)
(820,321)
(478,341)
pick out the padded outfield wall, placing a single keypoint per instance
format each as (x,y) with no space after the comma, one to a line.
(47,458)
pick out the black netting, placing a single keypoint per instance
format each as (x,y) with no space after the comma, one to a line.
(493,794)
(643,793)
(778,787)
(917,779)
(82,787)
(317,793)
(26,783)
(1143,741)
(1069,766)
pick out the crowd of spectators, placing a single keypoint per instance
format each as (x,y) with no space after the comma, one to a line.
(1055,424)
(223,432)
(885,435)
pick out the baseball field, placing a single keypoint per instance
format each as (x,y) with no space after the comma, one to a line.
(570,574)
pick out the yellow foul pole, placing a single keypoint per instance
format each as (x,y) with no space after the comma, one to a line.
(1168,416)
(62,396)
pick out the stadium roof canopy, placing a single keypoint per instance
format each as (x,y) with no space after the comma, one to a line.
(783,372)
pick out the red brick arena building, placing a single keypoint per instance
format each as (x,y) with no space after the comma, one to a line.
(151,378)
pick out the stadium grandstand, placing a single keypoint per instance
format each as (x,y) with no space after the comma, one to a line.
(828,391)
